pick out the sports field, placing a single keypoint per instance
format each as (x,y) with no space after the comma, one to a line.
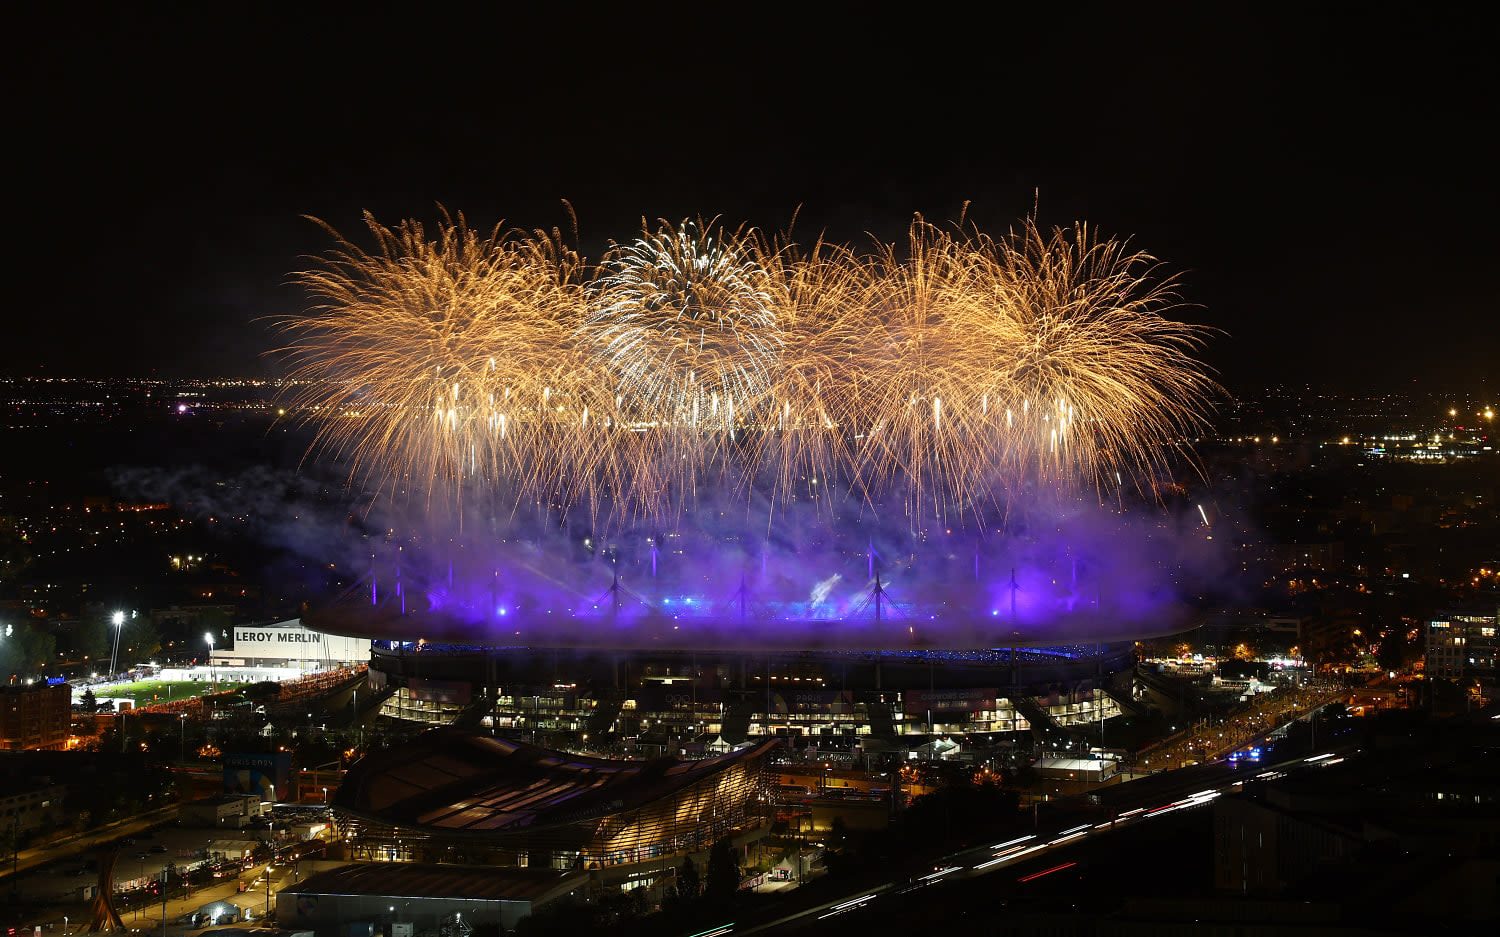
(146,692)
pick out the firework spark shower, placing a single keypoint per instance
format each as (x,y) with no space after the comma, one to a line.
(953,370)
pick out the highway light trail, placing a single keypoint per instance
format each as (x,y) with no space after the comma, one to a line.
(1037,875)
(849,905)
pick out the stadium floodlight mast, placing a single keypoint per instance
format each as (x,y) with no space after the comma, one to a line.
(213,673)
(118,619)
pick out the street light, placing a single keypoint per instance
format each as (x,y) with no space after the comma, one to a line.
(213,673)
(118,618)
(166,879)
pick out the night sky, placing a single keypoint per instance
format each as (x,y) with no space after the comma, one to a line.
(1325,182)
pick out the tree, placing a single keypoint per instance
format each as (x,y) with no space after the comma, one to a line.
(91,639)
(38,648)
(141,640)
(15,556)
(722,878)
(838,830)
(87,703)
(687,880)
(23,649)
(264,690)
(1394,648)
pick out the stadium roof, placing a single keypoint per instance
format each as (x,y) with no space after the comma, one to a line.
(452,782)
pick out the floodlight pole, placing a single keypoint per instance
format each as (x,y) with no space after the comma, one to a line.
(118,620)
(1015,672)
(742,596)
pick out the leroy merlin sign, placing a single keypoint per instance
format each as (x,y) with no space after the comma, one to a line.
(289,640)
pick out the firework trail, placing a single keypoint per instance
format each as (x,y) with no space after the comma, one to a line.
(802,447)
(955,368)
(434,360)
(912,413)
(683,319)
(1073,371)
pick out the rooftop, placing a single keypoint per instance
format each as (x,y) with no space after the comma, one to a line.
(455,782)
(407,880)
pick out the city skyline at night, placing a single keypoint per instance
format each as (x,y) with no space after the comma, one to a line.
(704,470)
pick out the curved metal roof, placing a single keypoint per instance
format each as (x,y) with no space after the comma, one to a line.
(452,782)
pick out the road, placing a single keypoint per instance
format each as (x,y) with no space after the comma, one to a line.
(30,859)
(147,918)
(1044,852)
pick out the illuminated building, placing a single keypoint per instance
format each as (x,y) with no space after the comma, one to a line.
(666,699)
(35,717)
(451,795)
(1462,644)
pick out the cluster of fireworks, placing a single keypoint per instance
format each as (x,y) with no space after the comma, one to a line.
(951,370)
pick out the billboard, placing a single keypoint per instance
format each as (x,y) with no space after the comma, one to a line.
(268,774)
(290,641)
(660,699)
(948,701)
(813,702)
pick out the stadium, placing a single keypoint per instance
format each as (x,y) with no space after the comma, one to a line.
(719,486)
(677,681)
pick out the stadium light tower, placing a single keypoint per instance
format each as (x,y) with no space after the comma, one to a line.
(118,619)
(213,672)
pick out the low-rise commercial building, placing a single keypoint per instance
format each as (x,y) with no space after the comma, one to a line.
(289,643)
(221,811)
(390,898)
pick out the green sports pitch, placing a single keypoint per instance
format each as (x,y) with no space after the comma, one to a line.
(146,692)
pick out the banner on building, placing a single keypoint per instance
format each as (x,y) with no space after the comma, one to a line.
(267,774)
(949,701)
(812,702)
(663,699)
